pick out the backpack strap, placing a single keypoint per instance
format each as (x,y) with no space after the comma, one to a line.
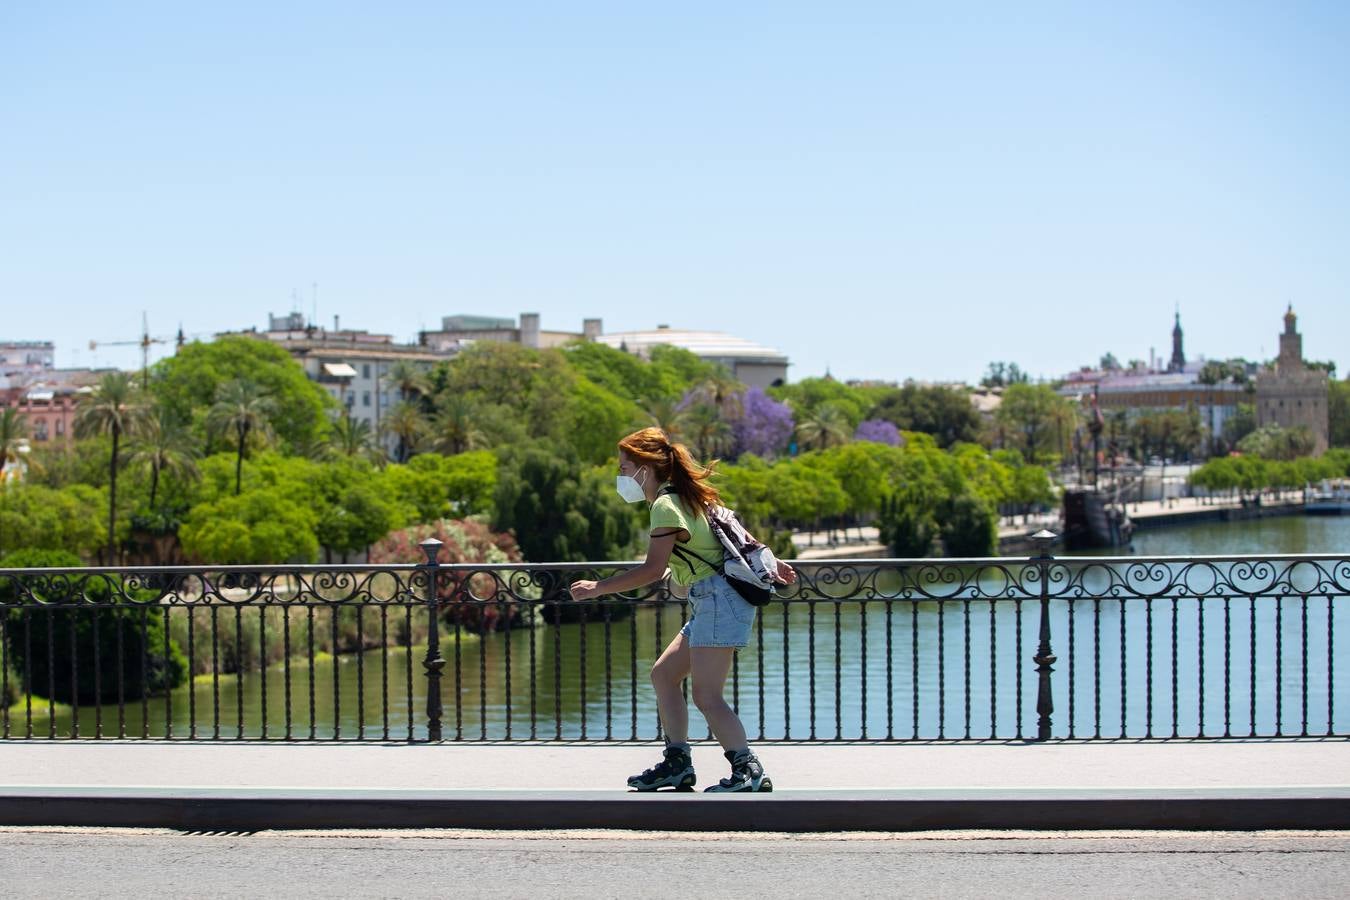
(684,554)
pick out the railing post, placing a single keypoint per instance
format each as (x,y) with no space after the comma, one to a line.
(1044,658)
(433,663)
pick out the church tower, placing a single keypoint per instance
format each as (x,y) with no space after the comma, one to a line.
(1178,362)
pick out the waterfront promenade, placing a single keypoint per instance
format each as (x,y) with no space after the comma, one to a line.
(1207,785)
(1014,532)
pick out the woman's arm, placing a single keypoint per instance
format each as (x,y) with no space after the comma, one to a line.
(653,568)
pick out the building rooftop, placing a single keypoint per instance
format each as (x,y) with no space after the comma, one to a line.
(701,343)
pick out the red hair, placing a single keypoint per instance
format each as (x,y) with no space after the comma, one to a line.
(672,462)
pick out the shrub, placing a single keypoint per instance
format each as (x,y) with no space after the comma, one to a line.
(89,616)
(464,541)
(907,528)
(970,527)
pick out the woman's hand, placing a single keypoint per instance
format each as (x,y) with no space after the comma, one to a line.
(785,574)
(584,590)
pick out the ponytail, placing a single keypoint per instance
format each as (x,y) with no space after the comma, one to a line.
(672,462)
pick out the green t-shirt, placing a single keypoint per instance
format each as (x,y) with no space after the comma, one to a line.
(668,512)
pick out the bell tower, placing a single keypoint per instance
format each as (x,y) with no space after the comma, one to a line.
(1178,362)
(1291,344)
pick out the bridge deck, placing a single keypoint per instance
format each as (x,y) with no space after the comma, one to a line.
(217,786)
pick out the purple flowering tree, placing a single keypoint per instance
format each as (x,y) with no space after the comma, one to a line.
(879,431)
(763,426)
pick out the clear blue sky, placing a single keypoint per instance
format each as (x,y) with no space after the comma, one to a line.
(893,191)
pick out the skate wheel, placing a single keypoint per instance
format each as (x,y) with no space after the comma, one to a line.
(765,787)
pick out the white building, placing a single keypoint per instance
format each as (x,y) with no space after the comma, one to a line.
(457,331)
(751,363)
(23,361)
(351,365)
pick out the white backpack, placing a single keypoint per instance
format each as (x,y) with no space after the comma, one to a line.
(748,565)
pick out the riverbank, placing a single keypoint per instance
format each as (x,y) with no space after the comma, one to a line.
(1015,536)
(1185,510)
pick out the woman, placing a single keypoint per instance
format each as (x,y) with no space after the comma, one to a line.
(662,473)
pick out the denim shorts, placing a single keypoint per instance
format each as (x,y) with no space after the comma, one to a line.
(720,617)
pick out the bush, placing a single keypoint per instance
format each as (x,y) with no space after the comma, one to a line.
(465,541)
(257,637)
(970,527)
(149,665)
(907,529)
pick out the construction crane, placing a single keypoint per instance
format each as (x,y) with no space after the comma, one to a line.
(144,343)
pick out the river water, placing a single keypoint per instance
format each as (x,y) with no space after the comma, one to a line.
(902,669)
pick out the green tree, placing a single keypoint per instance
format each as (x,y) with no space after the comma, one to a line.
(164,447)
(824,426)
(261,526)
(116,409)
(562,511)
(829,500)
(134,656)
(241,409)
(1275,442)
(34,516)
(1238,425)
(861,470)
(664,414)
(431,487)
(1036,415)
(595,420)
(405,422)
(13,435)
(666,376)
(944,412)
(355,439)
(708,434)
(455,429)
(187,383)
(534,385)
(969,526)
(907,527)
(353,513)
(1003,374)
(408,378)
(1338,413)
(804,396)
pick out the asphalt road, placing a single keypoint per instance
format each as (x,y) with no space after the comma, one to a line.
(131,863)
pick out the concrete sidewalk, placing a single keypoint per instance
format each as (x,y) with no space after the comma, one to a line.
(212,786)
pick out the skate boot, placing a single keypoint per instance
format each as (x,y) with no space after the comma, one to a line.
(746,775)
(676,770)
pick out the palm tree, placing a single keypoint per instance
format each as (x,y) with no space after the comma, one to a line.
(13,435)
(115,409)
(823,427)
(408,378)
(721,390)
(241,408)
(355,438)
(164,448)
(664,414)
(703,425)
(454,430)
(405,423)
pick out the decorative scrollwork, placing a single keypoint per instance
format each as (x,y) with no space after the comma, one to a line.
(818,581)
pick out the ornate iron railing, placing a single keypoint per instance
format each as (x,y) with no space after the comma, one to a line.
(875,650)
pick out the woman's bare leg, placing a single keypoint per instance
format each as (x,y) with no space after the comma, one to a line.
(709,666)
(667,673)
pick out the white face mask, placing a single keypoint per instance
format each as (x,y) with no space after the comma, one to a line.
(629,488)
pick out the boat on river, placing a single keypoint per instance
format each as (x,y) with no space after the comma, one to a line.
(1331,498)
